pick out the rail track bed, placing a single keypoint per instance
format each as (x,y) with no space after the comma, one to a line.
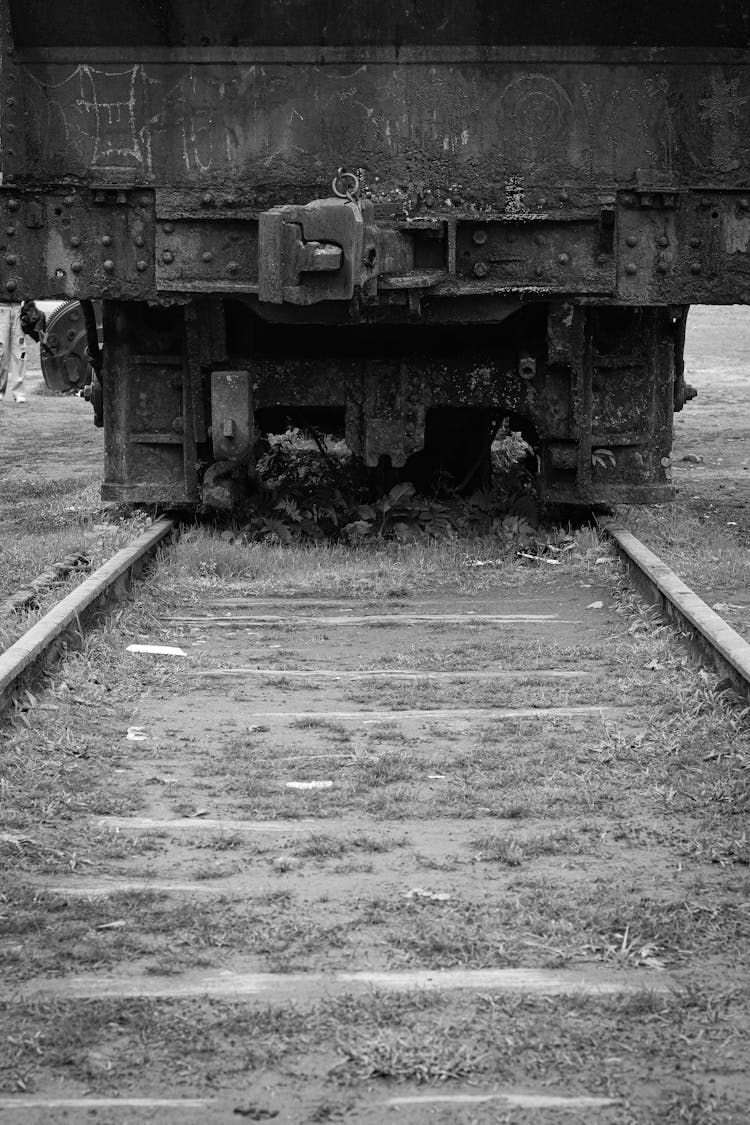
(383,837)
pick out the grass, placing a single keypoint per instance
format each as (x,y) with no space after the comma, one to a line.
(349,1048)
(572,821)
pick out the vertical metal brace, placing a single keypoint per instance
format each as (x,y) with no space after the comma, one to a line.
(582,373)
(232,416)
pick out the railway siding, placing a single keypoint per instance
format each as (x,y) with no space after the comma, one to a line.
(478,850)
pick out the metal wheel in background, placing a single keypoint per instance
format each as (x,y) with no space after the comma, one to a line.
(64,350)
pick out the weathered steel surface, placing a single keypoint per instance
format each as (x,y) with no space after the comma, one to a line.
(590,176)
(478,132)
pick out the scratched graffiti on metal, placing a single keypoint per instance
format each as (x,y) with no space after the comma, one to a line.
(724,113)
(474,124)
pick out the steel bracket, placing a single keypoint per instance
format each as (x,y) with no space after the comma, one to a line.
(310,253)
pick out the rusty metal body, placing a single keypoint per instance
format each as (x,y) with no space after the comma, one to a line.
(530,221)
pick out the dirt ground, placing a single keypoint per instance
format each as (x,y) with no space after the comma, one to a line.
(715,426)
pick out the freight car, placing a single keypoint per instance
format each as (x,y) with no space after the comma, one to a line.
(402,221)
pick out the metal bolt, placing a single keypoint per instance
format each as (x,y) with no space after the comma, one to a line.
(479,237)
(168,228)
(13,205)
(563,259)
(77,267)
(744,204)
(10,231)
(232,267)
(139,240)
(75,242)
(141,266)
(695,242)
(11,259)
(69,200)
(631,268)
(662,267)
(631,240)
(109,265)
(167,256)
(207,200)
(207,256)
(662,241)
(696,267)
(11,286)
(481,269)
(106,240)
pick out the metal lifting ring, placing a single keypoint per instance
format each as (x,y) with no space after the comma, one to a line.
(351,192)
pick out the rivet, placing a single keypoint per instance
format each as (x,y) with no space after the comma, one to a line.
(481,269)
(10,231)
(141,266)
(479,237)
(631,240)
(10,259)
(139,240)
(563,259)
(108,265)
(207,256)
(662,267)
(69,200)
(106,240)
(167,256)
(662,241)
(745,204)
(11,286)
(232,267)
(77,267)
(75,242)
(631,268)
(696,267)
(168,228)
(695,242)
(207,199)
(13,204)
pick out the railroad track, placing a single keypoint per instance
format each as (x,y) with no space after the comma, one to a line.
(408,854)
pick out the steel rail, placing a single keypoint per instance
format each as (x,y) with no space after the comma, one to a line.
(25,657)
(729,651)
